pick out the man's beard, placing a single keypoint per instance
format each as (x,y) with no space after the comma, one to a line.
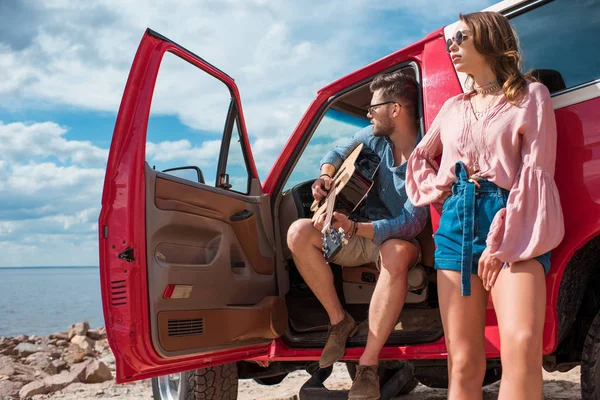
(383,128)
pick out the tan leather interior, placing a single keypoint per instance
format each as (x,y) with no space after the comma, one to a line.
(228,267)
(175,196)
(266,320)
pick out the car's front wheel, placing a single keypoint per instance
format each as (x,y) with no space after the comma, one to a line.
(212,383)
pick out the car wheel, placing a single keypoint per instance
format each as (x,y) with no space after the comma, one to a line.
(590,359)
(384,375)
(271,380)
(212,383)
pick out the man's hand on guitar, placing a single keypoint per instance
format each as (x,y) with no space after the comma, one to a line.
(318,223)
(341,220)
(320,187)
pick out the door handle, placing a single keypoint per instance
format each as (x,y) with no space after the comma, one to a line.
(241,216)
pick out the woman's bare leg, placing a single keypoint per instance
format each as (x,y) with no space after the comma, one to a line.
(463,318)
(519,296)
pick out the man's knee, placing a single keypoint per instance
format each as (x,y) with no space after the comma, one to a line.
(300,234)
(397,256)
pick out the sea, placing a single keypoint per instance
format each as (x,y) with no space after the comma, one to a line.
(44,300)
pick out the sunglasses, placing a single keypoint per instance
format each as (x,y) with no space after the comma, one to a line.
(458,39)
(373,107)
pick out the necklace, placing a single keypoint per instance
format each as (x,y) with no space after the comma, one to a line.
(493,88)
(474,171)
(480,114)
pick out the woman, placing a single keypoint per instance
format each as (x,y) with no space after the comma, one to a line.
(501,212)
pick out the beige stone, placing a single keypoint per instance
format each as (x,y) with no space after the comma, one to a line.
(78,329)
(32,388)
(97,372)
(57,382)
(10,388)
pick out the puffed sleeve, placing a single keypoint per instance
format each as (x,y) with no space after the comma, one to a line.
(532,222)
(421,170)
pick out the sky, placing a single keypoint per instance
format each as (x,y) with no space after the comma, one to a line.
(64,65)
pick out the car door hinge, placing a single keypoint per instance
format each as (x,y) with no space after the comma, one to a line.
(127,255)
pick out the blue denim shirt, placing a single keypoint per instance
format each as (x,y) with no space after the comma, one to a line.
(387,205)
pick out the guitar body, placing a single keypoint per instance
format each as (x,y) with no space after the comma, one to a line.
(351,182)
(349,187)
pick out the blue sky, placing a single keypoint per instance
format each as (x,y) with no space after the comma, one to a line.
(65,63)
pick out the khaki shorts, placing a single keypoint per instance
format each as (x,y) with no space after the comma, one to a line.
(361,250)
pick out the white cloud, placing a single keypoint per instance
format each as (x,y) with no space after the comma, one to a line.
(19,141)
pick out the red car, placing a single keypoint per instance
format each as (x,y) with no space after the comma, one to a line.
(196,275)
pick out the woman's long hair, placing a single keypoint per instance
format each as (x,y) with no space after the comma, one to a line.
(495,38)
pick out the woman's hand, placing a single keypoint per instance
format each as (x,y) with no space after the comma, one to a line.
(489,268)
(443,197)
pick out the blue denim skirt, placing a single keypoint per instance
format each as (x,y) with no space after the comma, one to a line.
(464,225)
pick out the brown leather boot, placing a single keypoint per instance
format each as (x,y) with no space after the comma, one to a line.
(337,336)
(366,383)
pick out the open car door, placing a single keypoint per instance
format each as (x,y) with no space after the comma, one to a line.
(187,268)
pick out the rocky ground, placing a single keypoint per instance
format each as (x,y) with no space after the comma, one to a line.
(78,364)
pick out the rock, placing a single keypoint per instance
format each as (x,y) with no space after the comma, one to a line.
(62,342)
(79,328)
(97,334)
(6,370)
(23,373)
(33,339)
(75,354)
(108,359)
(40,360)
(20,338)
(97,372)
(84,343)
(55,367)
(60,381)
(26,349)
(59,336)
(10,389)
(33,388)
(79,370)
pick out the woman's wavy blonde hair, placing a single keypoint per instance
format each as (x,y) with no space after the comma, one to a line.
(495,38)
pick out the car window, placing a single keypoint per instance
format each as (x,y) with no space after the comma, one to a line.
(335,128)
(559,38)
(236,164)
(187,119)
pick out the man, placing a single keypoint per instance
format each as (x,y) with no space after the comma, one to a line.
(387,238)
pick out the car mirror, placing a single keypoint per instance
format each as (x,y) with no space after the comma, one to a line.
(191,173)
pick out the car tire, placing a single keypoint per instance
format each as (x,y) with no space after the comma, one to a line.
(590,362)
(384,375)
(211,383)
(271,380)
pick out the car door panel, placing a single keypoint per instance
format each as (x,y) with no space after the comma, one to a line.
(192,242)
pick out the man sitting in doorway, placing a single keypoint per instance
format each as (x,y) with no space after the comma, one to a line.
(387,238)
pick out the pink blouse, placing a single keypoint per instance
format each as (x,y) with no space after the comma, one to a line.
(515,147)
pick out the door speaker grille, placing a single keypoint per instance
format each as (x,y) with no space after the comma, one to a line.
(118,293)
(186,327)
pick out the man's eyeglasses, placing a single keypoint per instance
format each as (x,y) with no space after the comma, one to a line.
(373,107)
(458,39)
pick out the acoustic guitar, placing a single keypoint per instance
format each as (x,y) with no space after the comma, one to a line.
(349,187)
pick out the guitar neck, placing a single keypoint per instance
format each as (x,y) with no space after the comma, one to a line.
(330,207)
